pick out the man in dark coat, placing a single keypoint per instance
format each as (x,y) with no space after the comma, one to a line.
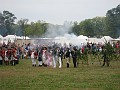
(74,56)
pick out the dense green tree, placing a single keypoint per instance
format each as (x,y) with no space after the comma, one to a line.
(36,29)
(7,20)
(22,25)
(99,26)
(113,22)
(87,28)
(91,27)
(76,28)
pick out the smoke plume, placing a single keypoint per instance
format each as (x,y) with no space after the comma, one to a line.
(58,30)
(62,34)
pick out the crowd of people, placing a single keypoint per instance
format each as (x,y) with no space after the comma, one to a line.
(53,55)
(44,55)
(9,54)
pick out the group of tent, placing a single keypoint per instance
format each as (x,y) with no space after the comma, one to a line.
(11,38)
(76,40)
(83,40)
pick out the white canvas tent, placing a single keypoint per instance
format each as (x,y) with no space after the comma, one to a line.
(82,37)
(96,40)
(106,39)
(72,39)
(62,40)
(1,38)
(12,38)
(82,40)
(25,37)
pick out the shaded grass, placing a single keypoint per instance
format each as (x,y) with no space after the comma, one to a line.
(86,77)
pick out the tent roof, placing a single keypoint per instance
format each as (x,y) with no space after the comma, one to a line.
(82,37)
(15,37)
(10,36)
(106,38)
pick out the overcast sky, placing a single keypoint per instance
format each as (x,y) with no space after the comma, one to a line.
(58,11)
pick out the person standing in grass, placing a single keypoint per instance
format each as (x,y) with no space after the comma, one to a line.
(6,57)
(9,53)
(14,59)
(74,56)
(1,56)
(67,55)
(60,53)
(39,58)
(44,56)
(33,58)
(54,52)
(105,58)
(22,51)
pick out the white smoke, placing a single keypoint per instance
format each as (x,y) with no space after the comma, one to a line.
(58,30)
(72,39)
(61,34)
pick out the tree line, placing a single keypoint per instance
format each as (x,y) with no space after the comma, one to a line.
(95,27)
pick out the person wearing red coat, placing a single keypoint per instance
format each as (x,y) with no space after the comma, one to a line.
(14,56)
(33,57)
(6,57)
(3,54)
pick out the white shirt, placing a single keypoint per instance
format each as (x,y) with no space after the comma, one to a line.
(32,55)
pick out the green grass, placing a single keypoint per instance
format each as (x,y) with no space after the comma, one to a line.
(85,77)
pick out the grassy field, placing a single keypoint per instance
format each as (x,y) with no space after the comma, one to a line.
(85,77)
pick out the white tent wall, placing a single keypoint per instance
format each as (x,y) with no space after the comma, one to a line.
(1,38)
(106,39)
(68,39)
(11,38)
(96,40)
